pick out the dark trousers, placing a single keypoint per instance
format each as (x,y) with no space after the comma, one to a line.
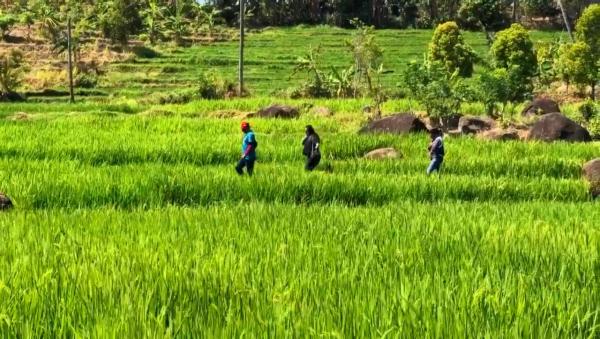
(435,165)
(312,162)
(249,164)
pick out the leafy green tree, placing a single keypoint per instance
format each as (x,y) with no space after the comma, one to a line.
(495,89)
(449,48)
(119,19)
(588,29)
(547,52)
(577,65)
(153,17)
(487,15)
(435,88)
(47,16)
(513,50)
(207,18)
(543,8)
(178,25)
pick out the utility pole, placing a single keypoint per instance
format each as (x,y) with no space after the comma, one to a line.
(566,19)
(70,61)
(241,64)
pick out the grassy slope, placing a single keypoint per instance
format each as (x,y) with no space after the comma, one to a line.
(270,59)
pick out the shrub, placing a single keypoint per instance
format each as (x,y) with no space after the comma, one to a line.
(492,88)
(576,65)
(119,19)
(212,86)
(86,80)
(144,52)
(588,29)
(513,50)
(174,97)
(449,48)
(589,110)
(12,67)
(547,53)
(439,91)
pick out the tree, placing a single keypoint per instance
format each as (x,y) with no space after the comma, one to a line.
(153,20)
(449,48)
(367,54)
(12,66)
(177,24)
(513,50)
(48,19)
(497,86)
(576,64)
(487,15)
(119,19)
(439,91)
(588,29)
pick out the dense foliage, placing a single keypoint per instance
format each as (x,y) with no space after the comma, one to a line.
(449,48)
(154,17)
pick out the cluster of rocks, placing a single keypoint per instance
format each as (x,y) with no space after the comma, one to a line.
(549,125)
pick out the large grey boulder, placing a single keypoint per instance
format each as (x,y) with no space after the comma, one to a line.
(474,124)
(541,106)
(396,124)
(382,154)
(500,134)
(555,126)
(278,111)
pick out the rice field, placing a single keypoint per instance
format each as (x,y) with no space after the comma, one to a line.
(128,224)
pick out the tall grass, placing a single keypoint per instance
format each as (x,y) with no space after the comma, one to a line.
(137,226)
(408,269)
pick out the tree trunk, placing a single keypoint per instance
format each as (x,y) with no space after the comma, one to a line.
(377,12)
(241,61)
(70,62)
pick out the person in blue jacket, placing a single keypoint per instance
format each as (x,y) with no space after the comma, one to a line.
(436,151)
(249,145)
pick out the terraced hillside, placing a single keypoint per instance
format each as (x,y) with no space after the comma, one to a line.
(270,59)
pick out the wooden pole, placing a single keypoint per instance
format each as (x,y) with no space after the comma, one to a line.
(241,61)
(566,19)
(70,62)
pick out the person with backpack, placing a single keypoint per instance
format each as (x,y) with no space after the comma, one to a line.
(436,150)
(249,146)
(312,152)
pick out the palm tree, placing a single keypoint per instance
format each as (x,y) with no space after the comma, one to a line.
(153,17)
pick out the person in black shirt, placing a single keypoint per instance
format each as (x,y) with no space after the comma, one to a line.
(312,152)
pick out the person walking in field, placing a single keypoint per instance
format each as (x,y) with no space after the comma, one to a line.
(249,145)
(312,152)
(436,150)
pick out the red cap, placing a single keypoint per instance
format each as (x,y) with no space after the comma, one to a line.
(245,125)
